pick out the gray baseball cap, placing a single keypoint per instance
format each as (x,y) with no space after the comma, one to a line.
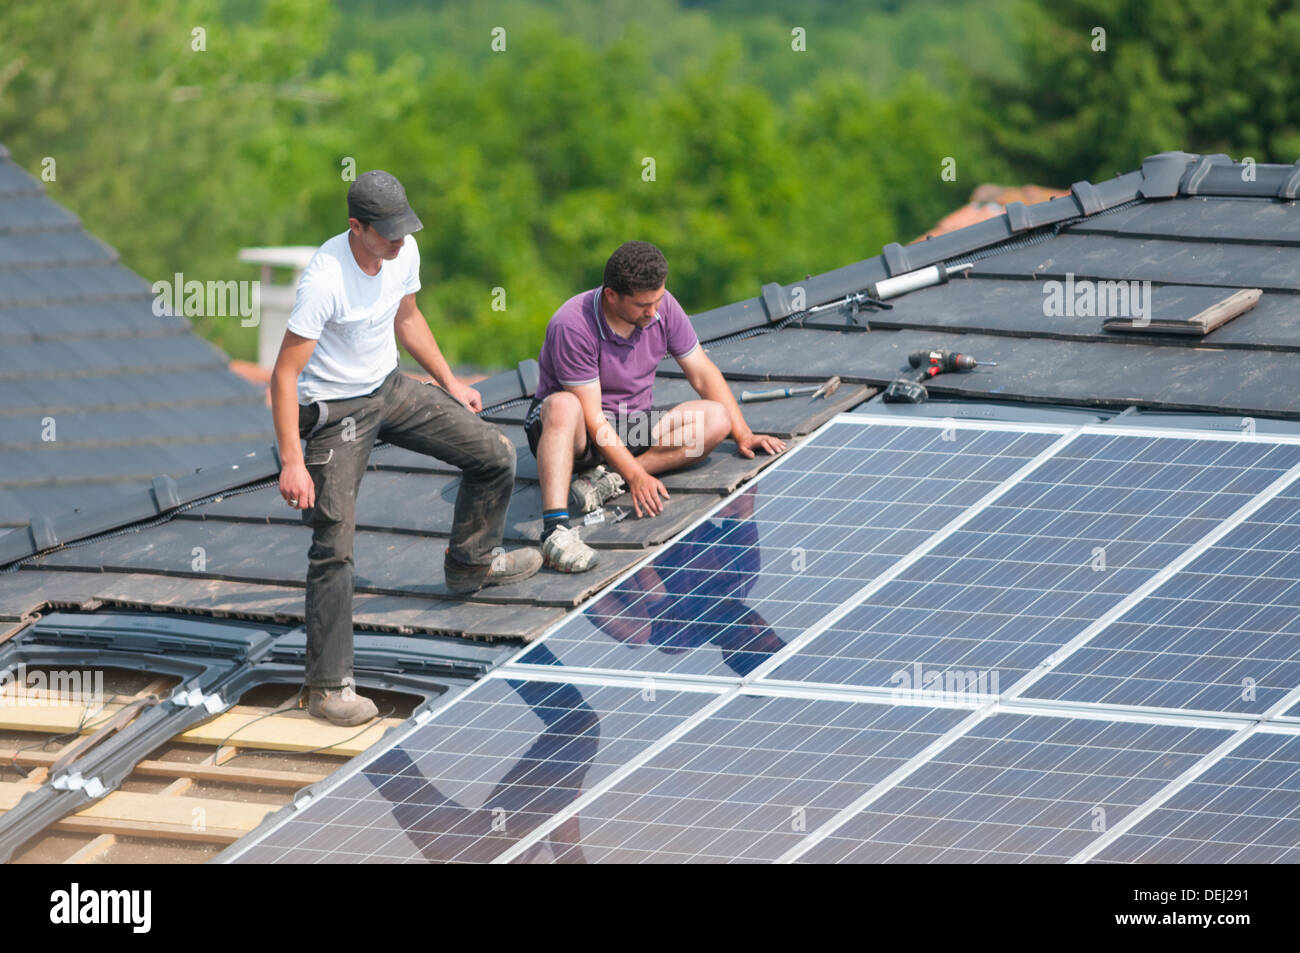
(378,198)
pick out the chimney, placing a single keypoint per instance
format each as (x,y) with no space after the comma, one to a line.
(276,300)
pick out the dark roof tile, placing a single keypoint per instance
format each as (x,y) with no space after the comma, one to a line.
(1269,267)
(35,213)
(1213,219)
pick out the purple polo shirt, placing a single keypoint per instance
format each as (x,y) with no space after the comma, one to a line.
(580,348)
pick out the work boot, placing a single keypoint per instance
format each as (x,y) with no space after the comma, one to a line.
(591,488)
(515,566)
(565,551)
(341,706)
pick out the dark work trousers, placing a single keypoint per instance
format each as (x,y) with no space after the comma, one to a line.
(340,435)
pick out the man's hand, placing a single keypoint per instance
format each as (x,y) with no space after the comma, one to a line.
(466,395)
(758,441)
(646,490)
(296,486)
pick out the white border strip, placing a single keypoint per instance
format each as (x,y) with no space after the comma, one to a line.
(1198,718)
(1188,433)
(947,423)
(635,681)
(541,671)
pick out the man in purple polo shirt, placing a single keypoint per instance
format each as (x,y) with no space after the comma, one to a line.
(594,399)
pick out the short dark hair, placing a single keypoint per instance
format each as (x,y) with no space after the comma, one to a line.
(636,266)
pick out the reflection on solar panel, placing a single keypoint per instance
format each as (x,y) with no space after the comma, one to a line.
(1221,635)
(790,549)
(748,782)
(1243,809)
(483,774)
(1110,566)
(1018,787)
(1032,570)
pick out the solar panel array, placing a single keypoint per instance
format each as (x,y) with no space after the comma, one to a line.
(907,640)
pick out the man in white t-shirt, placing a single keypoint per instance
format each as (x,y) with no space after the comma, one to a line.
(336,383)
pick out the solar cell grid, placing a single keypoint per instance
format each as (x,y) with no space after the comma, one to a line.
(1017,788)
(1223,634)
(790,549)
(1055,552)
(752,779)
(480,776)
(1245,808)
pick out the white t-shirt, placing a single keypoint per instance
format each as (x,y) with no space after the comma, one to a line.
(349,315)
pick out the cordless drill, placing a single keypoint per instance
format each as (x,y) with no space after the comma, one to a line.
(931,364)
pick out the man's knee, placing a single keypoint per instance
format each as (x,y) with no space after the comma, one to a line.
(331,543)
(717,423)
(499,458)
(704,427)
(561,409)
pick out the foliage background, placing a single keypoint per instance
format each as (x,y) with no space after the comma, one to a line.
(525,165)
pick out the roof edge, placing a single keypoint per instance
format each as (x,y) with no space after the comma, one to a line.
(1163,175)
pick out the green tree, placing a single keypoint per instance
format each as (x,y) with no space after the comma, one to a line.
(149,110)
(1198,75)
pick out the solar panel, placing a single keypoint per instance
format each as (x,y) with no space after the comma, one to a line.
(1017,788)
(665,739)
(1033,569)
(790,549)
(1221,635)
(480,775)
(1244,808)
(748,782)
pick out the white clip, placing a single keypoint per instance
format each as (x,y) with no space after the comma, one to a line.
(301,802)
(214,704)
(94,788)
(595,516)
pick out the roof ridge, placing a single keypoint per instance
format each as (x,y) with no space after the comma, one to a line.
(1163,175)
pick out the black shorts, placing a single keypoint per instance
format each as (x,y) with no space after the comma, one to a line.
(635,438)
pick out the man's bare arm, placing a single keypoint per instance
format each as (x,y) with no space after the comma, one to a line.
(703,375)
(413,334)
(295,481)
